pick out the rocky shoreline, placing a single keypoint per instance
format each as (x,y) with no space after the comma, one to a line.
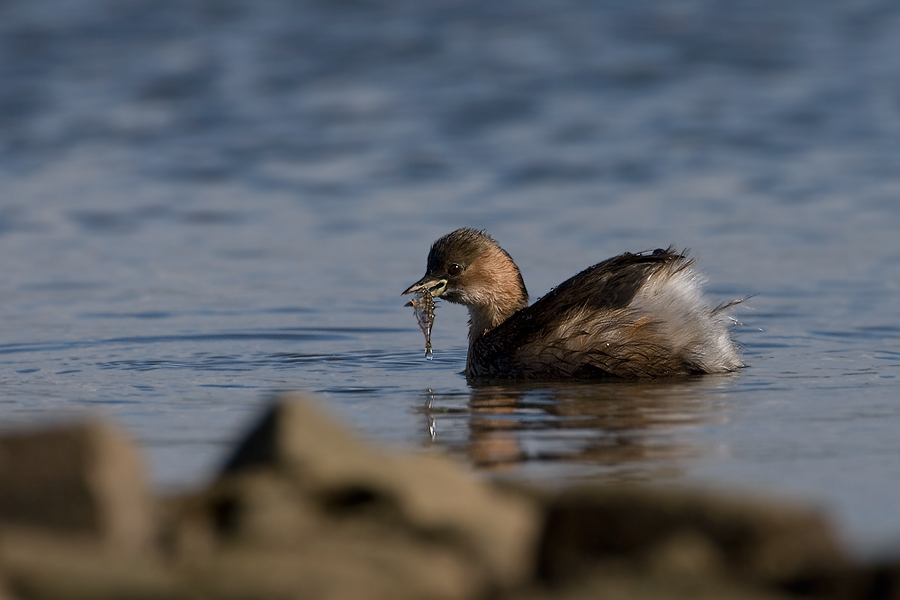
(303,509)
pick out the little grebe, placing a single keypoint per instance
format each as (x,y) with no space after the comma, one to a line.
(631,316)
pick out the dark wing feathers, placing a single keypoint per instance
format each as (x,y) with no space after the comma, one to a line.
(608,285)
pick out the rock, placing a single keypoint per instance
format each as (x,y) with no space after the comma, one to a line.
(354,519)
(39,566)
(855,581)
(76,517)
(677,532)
(303,509)
(4,591)
(81,480)
(629,584)
(348,564)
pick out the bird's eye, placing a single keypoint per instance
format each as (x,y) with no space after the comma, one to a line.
(454,270)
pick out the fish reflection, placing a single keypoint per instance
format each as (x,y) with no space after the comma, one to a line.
(616,428)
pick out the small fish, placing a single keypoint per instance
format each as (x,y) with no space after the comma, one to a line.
(424,306)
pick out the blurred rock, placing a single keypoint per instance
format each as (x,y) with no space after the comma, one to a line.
(629,584)
(353,517)
(84,480)
(303,509)
(39,566)
(700,534)
(76,516)
(872,582)
(4,592)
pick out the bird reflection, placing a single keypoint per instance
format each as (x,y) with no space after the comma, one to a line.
(626,430)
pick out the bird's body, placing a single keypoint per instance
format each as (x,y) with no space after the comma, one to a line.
(631,316)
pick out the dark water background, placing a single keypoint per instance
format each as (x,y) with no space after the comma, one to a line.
(205,201)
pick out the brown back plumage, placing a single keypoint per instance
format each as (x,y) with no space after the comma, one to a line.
(632,316)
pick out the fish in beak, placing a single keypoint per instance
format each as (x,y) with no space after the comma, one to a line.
(424,305)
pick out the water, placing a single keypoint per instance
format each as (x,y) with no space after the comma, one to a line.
(205,202)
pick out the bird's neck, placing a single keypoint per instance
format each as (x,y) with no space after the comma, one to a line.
(485,316)
(495,294)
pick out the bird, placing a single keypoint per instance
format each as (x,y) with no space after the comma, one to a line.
(634,316)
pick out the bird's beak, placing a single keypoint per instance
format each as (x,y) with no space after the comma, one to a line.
(428,283)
